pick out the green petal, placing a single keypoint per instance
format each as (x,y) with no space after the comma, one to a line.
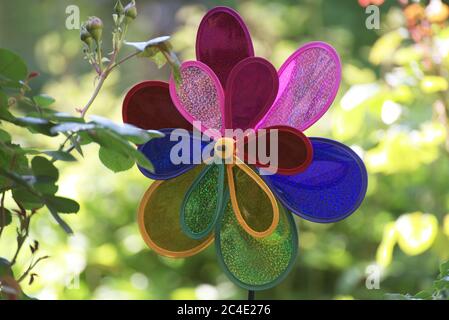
(256,263)
(203,202)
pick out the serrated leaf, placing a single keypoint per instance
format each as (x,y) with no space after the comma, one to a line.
(115,161)
(60,155)
(43,100)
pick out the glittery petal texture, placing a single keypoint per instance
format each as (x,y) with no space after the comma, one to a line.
(158,151)
(203,202)
(251,89)
(308,83)
(200,96)
(331,188)
(148,105)
(256,263)
(222,41)
(159,218)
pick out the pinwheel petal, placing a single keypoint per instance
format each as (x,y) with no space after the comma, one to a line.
(331,188)
(251,89)
(148,105)
(222,41)
(203,202)
(254,204)
(256,263)
(278,149)
(308,83)
(174,154)
(159,221)
(199,97)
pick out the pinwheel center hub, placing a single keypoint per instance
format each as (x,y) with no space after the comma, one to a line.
(224,148)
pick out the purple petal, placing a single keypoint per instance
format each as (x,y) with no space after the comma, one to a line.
(251,89)
(222,41)
(329,190)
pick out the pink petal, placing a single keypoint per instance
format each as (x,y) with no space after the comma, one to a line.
(308,83)
(199,97)
(250,91)
(222,41)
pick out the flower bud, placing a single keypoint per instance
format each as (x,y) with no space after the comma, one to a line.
(85,36)
(119,8)
(130,11)
(94,26)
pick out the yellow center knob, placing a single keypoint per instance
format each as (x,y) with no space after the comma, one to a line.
(224,148)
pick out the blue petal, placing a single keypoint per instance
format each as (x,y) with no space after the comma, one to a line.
(158,152)
(329,190)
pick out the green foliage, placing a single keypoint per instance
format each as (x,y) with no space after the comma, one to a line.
(438,291)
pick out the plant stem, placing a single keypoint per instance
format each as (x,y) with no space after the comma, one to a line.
(124,59)
(31,267)
(103,77)
(24,225)
(2,214)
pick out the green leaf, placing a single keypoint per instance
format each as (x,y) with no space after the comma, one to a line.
(117,143)
(5,217)
(27,199)
(63,205)
(5,268)
(115,161)
(5,137)
(72,127)
(60,155)
(45,186)
(3,100)
(130,132)
(75,141)
(159,59)
(12,66)
(59,220)
(142,46)
(43,100)
(34,124)
(42,167)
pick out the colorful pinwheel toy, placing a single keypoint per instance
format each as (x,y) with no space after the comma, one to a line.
(249,215)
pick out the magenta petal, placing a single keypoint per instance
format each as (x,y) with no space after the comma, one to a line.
(199,97)
(251,89)
(222,41)
(308,83)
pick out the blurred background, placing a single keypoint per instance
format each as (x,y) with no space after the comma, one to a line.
(391,109)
